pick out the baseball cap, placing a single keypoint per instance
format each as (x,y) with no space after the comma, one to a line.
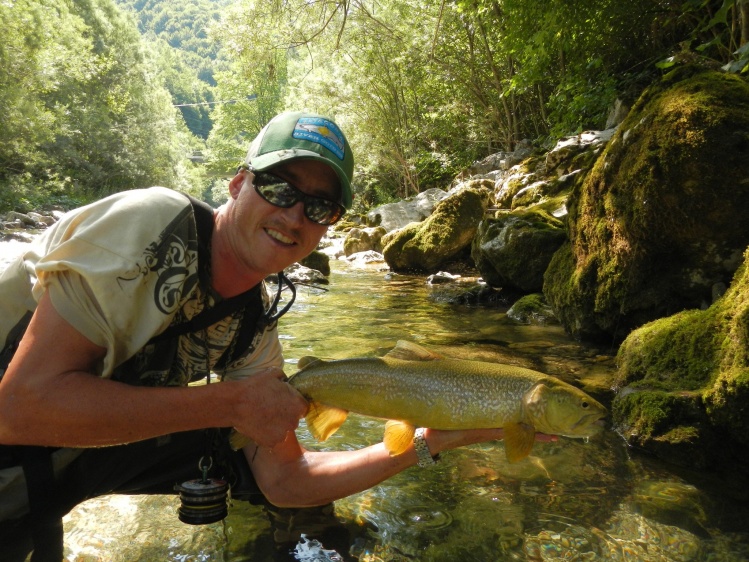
(304,136)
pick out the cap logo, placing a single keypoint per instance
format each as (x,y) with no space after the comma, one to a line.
(320,131)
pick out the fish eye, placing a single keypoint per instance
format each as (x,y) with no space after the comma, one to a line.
(585,404)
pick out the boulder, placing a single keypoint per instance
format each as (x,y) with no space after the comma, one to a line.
(363,240)
(318,261)
(661,218)
(392,216)
(446,233)
(514,250)
(683,383)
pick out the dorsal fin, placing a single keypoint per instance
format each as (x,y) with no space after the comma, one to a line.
(409,351)
(306,361)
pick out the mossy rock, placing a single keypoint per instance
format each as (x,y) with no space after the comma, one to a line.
(684,382)
(426,245)
(318,261)
(513,251)
(660,219)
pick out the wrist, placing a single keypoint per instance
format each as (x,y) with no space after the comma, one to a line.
(424,454)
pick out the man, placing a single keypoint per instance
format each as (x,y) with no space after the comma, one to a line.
(118,293)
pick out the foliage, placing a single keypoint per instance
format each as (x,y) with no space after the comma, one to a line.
(187,55)
(422,87)
(83,113)
(418,84)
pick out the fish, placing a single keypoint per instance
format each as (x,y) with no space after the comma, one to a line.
(412,386)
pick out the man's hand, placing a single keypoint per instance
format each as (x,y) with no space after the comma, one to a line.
(267,408)
(443,440)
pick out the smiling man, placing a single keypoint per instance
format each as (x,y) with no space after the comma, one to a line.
(124,302)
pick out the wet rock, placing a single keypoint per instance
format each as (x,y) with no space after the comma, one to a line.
(683,384)
(532,309)
(298,273)
(369,257)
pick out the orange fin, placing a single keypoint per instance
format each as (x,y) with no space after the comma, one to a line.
(409,351)
(399,436)
(519,439)
(323,421)
(238,440)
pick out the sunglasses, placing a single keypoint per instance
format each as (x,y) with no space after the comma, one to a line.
(281,193)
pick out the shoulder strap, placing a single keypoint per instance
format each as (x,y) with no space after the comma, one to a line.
(209,316)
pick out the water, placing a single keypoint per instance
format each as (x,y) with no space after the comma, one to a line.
(571,500)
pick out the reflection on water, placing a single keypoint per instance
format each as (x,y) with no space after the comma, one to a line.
(571,500)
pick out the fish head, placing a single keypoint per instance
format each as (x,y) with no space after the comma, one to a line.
(557,408)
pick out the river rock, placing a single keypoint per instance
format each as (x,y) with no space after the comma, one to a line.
(683,387)
(426,245)
(298,273)
(661,217)
(368,258)
(318,261)
(364,240)
(501,160)
(392,216)
(513,251)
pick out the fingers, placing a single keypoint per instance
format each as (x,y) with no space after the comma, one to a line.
(269,408)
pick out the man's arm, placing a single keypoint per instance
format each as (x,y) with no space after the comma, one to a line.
(290,476)
(50,395)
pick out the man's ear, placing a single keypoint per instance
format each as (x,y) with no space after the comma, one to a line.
(236,183)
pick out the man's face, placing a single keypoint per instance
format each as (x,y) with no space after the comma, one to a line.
(267,238)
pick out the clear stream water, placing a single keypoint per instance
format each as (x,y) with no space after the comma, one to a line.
(572,500)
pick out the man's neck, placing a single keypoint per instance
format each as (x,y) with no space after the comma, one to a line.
(228,277)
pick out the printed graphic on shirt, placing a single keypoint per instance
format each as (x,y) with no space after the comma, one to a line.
(174,259)
(321,131)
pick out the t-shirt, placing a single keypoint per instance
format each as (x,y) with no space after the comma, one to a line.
(120,271)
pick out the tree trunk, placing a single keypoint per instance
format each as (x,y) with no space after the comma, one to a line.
(743,6)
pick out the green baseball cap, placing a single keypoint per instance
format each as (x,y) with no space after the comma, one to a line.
(304,136)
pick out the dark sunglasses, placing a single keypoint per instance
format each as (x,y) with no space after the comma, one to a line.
(281,193)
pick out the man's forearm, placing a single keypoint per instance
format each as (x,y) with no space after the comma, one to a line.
(82,410)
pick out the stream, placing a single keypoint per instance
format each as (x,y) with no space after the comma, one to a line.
(571,500)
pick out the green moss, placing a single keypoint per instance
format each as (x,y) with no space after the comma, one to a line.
(644,413)
(656,203)
(677,352)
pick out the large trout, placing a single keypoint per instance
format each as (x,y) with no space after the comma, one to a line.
(416,387)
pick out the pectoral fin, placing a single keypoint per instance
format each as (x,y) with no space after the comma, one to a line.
(237,440)
(519,439)
(398,436)
(323,421)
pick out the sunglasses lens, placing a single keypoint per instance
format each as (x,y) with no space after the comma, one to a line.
(322,211)
(282,194)
(278,194)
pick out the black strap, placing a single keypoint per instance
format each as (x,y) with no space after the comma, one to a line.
(208,316)
(46,524)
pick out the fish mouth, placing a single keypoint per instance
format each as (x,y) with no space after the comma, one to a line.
(588,425)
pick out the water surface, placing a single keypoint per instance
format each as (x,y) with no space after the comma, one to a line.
(571,500)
